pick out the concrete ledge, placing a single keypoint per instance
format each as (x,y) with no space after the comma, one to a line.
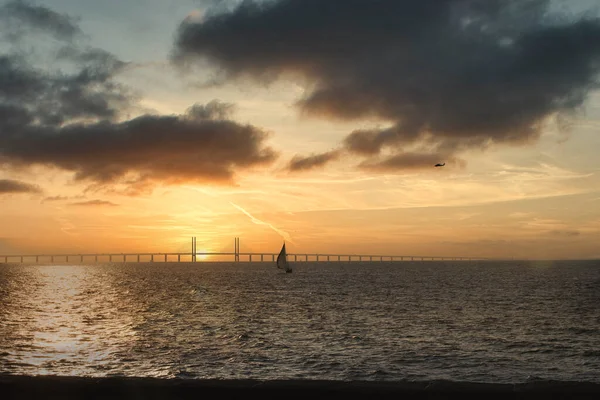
(55,387)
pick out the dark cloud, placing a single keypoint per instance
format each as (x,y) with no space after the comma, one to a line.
(71,118)
(94,203)
(299,163)
(36,96)
(170,149)
(18,13)
(212,110)
(11,186)
(444,75)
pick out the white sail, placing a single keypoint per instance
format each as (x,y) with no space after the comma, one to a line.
(282,262)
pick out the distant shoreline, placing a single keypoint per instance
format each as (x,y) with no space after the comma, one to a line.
(57,387)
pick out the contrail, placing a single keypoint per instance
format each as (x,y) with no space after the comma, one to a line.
(66,226)
(257,221)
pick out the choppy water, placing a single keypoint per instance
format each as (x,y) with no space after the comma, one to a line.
(486,322)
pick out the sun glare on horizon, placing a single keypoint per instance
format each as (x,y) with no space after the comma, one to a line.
(201,254)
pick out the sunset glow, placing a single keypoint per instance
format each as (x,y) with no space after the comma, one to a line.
(145,132)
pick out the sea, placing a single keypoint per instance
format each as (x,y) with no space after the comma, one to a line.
(497,322)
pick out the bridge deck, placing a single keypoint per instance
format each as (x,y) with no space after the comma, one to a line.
(210,256)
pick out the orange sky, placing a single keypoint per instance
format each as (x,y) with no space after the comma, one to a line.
(539,199)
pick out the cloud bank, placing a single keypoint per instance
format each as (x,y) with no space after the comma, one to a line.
(445,76)
(8,186)
(73,117)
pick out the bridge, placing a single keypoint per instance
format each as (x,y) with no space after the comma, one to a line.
(210,257)
(236,256)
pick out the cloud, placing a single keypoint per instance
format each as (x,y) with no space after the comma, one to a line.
(445,76)
(55,198)
(169,149)
(30,96)
(16,14)
(94,203)
(8,186)
(74,118)
(61,198)
(299,163)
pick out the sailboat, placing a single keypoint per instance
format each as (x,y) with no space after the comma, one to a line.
(282,262)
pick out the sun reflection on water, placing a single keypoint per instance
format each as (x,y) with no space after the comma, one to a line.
(73,317)
(332,321)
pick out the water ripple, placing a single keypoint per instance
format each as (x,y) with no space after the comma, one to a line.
(492,322)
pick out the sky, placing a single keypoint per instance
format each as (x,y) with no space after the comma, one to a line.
(133,126)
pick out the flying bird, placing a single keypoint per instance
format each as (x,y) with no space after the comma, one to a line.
(440,165)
